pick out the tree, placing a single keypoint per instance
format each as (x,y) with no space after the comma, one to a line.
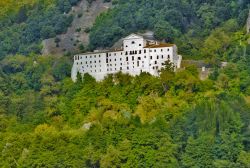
(198,152)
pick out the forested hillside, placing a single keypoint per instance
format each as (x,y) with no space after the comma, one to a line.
(174,120)
(188,23)
(29,22)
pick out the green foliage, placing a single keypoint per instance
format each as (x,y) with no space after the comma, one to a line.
(189,24)
(31,24)
(174,120)
(46,120)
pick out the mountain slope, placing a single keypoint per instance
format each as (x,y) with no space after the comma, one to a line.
(77,34)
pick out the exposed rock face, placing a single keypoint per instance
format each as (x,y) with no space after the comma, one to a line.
(84,17)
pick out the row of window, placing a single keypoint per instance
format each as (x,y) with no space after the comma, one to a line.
(80,63)
(78,57)
(133,58)
(133,42)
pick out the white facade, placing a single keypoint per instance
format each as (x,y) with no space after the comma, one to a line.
(137,55)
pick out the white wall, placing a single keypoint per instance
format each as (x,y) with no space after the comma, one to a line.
(137,60)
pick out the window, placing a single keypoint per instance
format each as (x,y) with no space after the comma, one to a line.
(81,63)
(145,51)
(95,56)
(151,57)
(90,62)
(138,63)
(86,62)
(115,54)
(168,49)
(139,51)
(127,68)
(99,56)
(95,61)
(109,54)
(120,59)
(157,56)
(107,60)
(115,59)
(161,50)
(126,53)
(99,61)
(139,44)
(120,68)
(162,56)
(126,46)
(155,62)
(168,56)
(155,50)
(150,50)
(90,56)
(126,58)
(139,58)
(121,63)
(132,42)
(132,58)
(145,56)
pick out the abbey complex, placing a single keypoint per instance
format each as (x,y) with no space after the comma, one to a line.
(137,54)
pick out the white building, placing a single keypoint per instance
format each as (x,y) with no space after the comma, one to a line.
(135,56)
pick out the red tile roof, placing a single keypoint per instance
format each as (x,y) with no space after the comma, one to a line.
(159,45)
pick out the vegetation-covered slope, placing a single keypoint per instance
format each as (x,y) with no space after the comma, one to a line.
(175,120)
(188,23)
(32,23)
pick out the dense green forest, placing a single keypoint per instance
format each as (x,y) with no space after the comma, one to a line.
(22,31)
(188,23)
(174,120)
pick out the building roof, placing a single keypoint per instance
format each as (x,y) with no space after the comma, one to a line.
(159,45)
(133,35)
